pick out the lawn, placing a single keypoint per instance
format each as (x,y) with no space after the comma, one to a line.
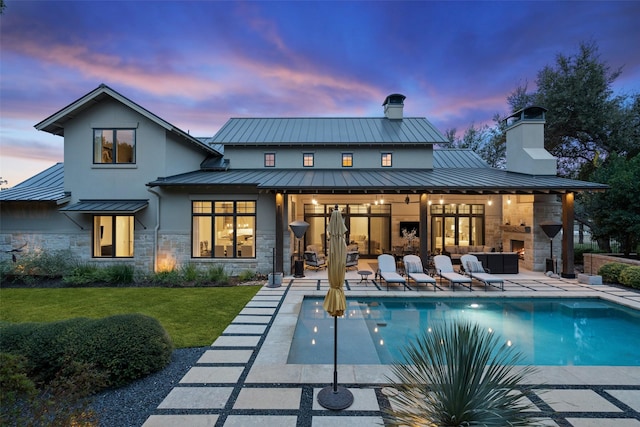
(193,317)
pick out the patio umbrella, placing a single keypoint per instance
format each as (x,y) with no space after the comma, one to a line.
(334,397)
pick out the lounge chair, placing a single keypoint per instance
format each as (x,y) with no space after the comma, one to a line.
(352,259)
(474,269)
(444,267)
(387,271)
(416,271)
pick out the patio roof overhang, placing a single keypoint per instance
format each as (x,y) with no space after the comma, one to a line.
(362,181)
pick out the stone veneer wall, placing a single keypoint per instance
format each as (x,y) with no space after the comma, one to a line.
(593,262)
(531,210)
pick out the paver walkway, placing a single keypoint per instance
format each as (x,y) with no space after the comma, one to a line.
(243,379)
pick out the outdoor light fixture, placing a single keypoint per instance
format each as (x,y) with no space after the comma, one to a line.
(314,201)
(508,200)
(407,200)
(490,201)
(441,201)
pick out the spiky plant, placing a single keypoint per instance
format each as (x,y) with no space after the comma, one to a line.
(458,374)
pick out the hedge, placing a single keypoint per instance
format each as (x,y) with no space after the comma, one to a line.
(123,347)
(631,277)
(611,272)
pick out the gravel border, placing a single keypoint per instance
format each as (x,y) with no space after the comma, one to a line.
(131,405)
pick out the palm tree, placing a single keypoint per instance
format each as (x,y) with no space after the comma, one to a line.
(458,374)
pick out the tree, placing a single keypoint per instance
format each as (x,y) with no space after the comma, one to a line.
(616,212)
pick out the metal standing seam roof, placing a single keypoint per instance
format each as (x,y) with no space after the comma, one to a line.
(46,186)
(107,206)
(448,180)
(327,130)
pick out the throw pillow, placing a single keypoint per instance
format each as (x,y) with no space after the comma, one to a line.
(475,267)
(413,267)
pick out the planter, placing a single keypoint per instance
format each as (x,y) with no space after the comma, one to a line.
(275,280)
(589,279)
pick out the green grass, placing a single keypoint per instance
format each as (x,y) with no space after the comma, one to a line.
(193,317)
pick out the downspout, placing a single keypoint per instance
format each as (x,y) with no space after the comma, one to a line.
(155,230)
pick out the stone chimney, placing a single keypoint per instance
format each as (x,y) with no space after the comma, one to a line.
(393,106)
(525,143)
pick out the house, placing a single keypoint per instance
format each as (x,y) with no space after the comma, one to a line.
(134,188)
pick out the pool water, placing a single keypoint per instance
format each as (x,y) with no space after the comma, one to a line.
(554,332)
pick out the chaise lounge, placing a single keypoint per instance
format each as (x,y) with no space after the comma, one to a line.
(387,271)
(416,271)
(445,271)
(474,269)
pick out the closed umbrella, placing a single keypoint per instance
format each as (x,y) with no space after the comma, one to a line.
(335,303)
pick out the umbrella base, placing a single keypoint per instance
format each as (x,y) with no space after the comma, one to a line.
(335,401)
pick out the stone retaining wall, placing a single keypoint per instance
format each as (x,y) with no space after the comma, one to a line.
(593,262)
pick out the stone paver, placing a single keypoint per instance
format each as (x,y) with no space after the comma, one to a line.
(225,356)
(628,397)
(234,329)
(577,401)
(196,398)
(261,421)
(230,341)
(212,375)
(604,422)
(205,420)
(268,398)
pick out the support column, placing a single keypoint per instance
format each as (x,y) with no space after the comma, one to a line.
(423,228)
(279,232)
(568,268)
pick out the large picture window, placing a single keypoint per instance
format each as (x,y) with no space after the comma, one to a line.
(223,229)
(114,146)
(113,236)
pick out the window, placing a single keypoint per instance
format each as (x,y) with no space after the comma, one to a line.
(386,160)
(307,160)
(454,224)
(113,236)
(114,146)
(347,160)
(223,229)
(269,160)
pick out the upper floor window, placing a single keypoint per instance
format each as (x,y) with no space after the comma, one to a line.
(269,160)
(386,160)
(307,159)
(347,160)
(114,146)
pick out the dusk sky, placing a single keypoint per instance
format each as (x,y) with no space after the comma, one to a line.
(198,63)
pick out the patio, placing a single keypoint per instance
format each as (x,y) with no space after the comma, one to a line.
(244,380)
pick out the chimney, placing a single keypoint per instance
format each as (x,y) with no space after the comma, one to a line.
(393,106)
(525,143)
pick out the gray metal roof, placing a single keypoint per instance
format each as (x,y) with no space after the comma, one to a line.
(457,158)
(107,206)
(47,186)
(327,130)
(445,180)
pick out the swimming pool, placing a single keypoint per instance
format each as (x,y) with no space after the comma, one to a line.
(554,332)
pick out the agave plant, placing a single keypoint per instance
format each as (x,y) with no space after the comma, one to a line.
(458,374)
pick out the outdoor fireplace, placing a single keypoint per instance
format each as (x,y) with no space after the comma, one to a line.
(518,246)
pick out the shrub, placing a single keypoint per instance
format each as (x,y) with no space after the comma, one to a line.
(119,274)
(458,375)
(630,277)
(611,272)
(217,275)
(34,265)
(121,348)
(247,275)
(167,278)
(15,386)
(190,272)
(83,274)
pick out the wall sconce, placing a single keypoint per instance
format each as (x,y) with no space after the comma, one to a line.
(407,200)
(508,200)
(314,201)
(429,200)
(441,201)
(490,201)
